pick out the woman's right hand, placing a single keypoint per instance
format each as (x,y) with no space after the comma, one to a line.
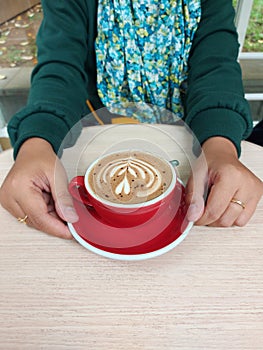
(37,186)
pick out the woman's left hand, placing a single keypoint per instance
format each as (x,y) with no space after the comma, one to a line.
(226,180)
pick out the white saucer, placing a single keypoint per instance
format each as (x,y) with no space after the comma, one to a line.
(130,257)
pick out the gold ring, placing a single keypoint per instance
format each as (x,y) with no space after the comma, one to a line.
(22,221)
(237,201)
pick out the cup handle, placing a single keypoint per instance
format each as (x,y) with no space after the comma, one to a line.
(174,162)
(78,191)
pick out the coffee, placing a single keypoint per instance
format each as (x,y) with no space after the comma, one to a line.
(130,177)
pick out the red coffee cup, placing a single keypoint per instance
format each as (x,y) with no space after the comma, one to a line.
(122,214)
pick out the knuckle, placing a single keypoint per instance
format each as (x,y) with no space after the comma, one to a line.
(5,198)
(2,196)
(231,171)
(37,222)
(211,215)
(223,222)
(14,182)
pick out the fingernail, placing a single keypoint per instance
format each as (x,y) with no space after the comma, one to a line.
(70,214)
(192,212)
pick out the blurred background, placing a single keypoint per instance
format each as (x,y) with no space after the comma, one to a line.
(19,23)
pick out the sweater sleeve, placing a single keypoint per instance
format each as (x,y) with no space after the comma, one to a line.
(59,80)
(215,104)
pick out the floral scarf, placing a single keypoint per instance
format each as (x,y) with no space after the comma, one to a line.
(142,51)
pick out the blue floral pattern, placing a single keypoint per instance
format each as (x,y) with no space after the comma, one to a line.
(142,51)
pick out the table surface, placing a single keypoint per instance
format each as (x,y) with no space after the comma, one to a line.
(207,293)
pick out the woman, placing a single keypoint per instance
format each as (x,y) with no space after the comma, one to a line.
(144,51)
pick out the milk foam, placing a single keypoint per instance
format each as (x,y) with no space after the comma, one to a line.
(130,177)
(137,169)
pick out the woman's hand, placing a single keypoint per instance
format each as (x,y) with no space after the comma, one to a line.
(36,186)
(224,178)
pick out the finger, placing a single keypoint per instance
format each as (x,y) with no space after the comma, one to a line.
(246,213)
(62,199)
(220,195)
(40,218)
(59,229)
(15,210)
(228,218)
(195,191)
(235,214)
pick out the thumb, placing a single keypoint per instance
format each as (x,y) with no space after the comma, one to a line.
(195,192)
(62,198)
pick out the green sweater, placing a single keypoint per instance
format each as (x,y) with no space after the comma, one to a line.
(65,76)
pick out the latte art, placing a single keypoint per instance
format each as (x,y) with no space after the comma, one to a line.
(129,170)
(130,177)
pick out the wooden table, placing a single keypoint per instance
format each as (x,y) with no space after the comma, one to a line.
(207,293)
